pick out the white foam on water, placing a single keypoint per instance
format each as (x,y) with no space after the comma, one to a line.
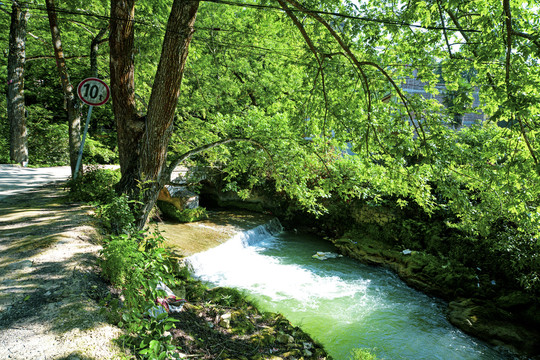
(239,263)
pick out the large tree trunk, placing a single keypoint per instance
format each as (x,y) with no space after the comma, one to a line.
(18,146)
(129,125)
(163,100)
(142,143)
(71,101)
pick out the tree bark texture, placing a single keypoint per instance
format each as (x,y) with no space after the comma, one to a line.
(129,125)
(94,70)
(164,99)
(71,101)
(18,136)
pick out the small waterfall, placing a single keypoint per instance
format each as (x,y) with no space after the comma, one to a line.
(241,263)
(261,232)
(231,259)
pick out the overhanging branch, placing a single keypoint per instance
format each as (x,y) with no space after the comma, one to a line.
(358,63)
(181,158)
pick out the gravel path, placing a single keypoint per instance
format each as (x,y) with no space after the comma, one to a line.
(49,280)
(16,180)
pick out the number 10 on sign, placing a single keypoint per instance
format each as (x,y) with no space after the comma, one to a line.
(93,92)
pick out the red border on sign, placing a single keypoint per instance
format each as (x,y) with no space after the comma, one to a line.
(88,102)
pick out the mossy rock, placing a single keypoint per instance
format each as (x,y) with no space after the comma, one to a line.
(414,263)
(171,212)
(241,323)
(514,300)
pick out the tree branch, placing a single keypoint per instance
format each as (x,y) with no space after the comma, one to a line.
(359,64)
(458,25)
(315,53)
(249,92)
(535,40)
(94,47)
(300,27)
(526,138)
(467,40)
(181,158)
(508,20)
(444,31)
(40,39)
(509,90)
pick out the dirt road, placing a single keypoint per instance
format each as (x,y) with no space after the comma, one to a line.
(49,279)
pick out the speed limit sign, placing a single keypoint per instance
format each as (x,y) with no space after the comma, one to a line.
(93,91)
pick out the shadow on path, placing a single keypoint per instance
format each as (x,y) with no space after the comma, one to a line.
(49,279)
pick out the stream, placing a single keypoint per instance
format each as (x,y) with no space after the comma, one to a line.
(340,302)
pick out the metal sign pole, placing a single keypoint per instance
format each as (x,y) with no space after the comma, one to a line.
(79,158)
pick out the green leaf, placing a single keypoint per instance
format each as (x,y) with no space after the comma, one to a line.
(162,316)
(153,346)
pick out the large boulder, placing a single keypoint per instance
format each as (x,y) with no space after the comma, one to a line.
(193,175)
(483,319)
(179,196)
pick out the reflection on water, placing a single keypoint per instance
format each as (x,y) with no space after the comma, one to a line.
(340,302)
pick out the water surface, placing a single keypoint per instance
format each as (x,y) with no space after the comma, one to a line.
(340,302)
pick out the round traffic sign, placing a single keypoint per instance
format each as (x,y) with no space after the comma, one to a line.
(93,91)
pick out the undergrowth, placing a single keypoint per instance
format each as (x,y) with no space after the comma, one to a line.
(95,186)
(183,216)
(137,264)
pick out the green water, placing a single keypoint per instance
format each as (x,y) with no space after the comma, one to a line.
(340,302)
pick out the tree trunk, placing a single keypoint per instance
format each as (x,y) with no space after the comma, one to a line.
(71,102)
(164,99)
(94,48)
(129,125)
(94,71)
(18,146)
(143,142)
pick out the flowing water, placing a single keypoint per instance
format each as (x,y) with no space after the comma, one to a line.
(340,302)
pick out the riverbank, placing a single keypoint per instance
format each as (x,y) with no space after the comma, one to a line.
(219,323)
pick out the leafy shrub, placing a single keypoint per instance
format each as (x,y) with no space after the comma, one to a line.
(138,263)
(187,215)
(120,255)
(117,216)
(97,153)
(516,254)
(362,354)
(96,185)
